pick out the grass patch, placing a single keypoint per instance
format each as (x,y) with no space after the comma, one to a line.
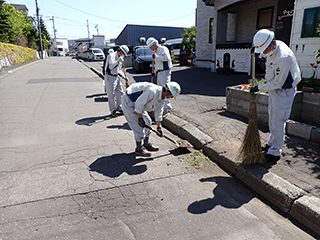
(17,54)
(197,159)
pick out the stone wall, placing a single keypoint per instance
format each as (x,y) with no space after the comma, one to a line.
(305,112)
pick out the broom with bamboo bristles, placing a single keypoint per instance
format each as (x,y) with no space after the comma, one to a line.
(250,151)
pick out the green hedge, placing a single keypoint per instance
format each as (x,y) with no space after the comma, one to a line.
(17,54)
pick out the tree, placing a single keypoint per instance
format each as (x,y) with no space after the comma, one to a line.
(45,35)
(16,28)
(189,38)
(4,26)
(17,21)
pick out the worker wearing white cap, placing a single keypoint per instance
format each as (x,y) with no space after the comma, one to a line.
(162,67)
(137,101)
(282,76)
(113,71)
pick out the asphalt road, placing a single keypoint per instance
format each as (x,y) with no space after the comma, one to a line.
(68,171)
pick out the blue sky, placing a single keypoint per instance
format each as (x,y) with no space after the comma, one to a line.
(70,16)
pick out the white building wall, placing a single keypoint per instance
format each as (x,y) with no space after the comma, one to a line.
(62,45)
(204,53)
(245,26)
(304,48)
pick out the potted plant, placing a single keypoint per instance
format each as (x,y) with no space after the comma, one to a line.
(309,85)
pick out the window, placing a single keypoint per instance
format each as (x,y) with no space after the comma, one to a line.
(265,16)
(311,21)
(231,27)
(210,30)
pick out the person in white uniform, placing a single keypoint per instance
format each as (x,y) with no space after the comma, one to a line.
(113,71)
(282,76)
(140,98)
(162,66)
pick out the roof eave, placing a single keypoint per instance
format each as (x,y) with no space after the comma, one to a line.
(209,2)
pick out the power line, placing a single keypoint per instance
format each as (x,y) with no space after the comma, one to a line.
(89,13)
(114,20)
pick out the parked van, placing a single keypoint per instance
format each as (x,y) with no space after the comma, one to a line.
(95,54)
(174,46)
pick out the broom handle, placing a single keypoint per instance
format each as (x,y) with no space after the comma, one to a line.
(253,67)
(152,68)
(171,140)
(125,75)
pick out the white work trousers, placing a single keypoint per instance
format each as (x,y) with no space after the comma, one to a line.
(279,109)
(114,91)
(163,78)
(132,119)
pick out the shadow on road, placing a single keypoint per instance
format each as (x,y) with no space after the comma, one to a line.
(300,152)
(226,194)
(114,165)
(124,126)
(93,120)
(100,97)
(262,128)
(96,95)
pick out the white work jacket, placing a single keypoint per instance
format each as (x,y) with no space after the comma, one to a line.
(113,65)
(163,59)
(146,97)
(278,66)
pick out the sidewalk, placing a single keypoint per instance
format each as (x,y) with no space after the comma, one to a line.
(292,184)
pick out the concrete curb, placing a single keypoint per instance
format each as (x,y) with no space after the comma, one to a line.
(187,131)
(92,69)
(305,131)
(7,71)
(287,197)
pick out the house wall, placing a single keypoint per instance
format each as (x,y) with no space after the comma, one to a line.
(245,25)
(304,48)
(245,14)
(62,45)
(204,52)
(246,19)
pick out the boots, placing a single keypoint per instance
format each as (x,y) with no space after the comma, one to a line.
(152,148)
(142,152)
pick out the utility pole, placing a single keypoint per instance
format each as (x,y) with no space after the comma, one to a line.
(39,29)
(55,37)
(96,26)
(88,32)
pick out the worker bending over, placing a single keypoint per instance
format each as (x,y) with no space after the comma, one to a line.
(137,101)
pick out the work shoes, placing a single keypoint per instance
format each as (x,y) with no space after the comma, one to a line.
(271,158)
(265,148)
(150,147)
(114,113)
(142,152)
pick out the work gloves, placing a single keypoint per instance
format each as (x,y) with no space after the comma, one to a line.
(153,56)
(153,74)
(141,122)
(254,89)
(159,132)
(120,59)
